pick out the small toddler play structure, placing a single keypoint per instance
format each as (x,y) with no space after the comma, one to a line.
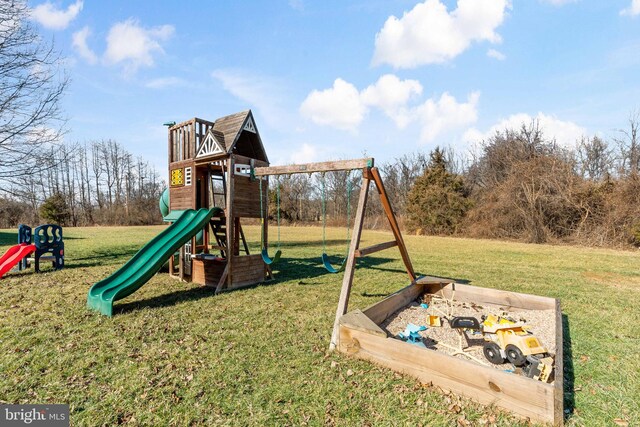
(219,175)
(45,243)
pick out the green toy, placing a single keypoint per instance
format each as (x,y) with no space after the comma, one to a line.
(144,264)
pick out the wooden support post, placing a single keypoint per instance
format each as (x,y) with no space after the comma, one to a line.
(265,227)
(181,264)
(205,238)
(244,240)
(230,220)
(223,278)
(172,266)
(236,236)
(395,228)
(347,280)
(375,248)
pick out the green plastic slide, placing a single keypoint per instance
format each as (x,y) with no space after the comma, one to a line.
(139,269)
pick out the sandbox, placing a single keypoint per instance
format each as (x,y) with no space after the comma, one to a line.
(370,334)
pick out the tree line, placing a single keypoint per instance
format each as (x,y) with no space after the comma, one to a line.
(99,182)
(520,184)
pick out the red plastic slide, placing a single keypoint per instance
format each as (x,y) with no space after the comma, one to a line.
(14,255)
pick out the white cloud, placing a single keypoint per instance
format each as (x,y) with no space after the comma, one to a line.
(430,34)
(79,42)
(340,106)
(391,95)
(306,153)
(632,10)
(134,46)
(263,93)
(566,133)
(492,53)
(344,107)
(446,114)
(163,82)
(49,16)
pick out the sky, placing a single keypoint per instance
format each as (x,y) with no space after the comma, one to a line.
(335,79)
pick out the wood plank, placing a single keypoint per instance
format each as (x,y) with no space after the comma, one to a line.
(339,165)
(223,279)
(248,160)
(177,126)
(558,393)
(395,228)
(467,293)
(486,385)
(378,312)
(357,320)
(181,272)
(248,268)
(375,248)
(433,280)
(230,219)
(347,279)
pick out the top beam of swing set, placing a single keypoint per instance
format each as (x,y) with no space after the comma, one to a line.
(338,165)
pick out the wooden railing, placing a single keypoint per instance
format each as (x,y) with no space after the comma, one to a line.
(185,138)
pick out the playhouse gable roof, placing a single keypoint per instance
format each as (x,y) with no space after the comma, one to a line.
(212,144)
(240,135)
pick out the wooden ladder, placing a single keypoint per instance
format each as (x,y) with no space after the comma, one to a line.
(219,228)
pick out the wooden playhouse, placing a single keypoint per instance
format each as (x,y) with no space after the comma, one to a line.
(209,166)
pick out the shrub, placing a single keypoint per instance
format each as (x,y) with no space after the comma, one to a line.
(55,210)
(438,201)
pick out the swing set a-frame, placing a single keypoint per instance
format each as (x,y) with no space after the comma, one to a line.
(369,174)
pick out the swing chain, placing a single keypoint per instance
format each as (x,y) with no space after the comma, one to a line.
(324,215)
(278,209)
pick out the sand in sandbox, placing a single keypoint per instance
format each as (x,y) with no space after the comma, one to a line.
(542,323)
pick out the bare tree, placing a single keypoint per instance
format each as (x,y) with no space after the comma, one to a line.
(594,158)
(629,143)
(31,86)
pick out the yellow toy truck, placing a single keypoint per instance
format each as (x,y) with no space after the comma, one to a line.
(506,339)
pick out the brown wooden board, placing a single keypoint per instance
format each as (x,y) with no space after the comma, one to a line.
(180,198)
(207,272)
(246,202)
(538,401)
(375,248)
(247,268)
(338,165)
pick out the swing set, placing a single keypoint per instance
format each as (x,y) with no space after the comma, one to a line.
(369,174)
(326,262)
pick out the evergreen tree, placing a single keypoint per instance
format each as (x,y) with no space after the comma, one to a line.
(55,210)
(438,199)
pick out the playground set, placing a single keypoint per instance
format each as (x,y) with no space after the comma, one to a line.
(219,175)
(45,243)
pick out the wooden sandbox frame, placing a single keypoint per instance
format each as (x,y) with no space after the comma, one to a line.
(361,336)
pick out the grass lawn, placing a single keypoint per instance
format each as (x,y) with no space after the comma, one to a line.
(175,354)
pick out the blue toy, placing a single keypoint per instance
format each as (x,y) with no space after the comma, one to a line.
(412,336)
